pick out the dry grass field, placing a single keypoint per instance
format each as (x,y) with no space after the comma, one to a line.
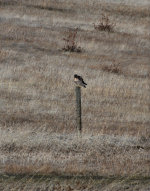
(40,149)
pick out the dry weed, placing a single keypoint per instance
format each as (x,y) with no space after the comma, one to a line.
(71,43)
(104,24)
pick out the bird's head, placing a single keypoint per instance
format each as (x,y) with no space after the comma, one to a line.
(75,76)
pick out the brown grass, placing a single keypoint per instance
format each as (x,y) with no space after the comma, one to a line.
(37,99)
(114,68)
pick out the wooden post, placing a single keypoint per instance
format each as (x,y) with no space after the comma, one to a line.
(78,108)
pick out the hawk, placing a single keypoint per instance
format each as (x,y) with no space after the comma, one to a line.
(78,80)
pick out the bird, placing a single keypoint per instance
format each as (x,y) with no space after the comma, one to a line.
(78,80)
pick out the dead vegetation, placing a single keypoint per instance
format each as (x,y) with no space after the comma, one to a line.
(71,183)
(104,24)
(127,10)
(71,43)
(113,68)
(37,101)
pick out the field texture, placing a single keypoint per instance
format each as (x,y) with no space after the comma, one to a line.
(40,148)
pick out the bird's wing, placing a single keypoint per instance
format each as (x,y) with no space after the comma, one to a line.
(81,79)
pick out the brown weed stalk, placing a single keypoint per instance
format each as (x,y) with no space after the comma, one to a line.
(71,43)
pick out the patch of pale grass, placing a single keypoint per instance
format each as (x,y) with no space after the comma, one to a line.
(100,154)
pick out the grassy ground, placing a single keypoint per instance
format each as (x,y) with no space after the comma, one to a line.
(70,183)
(38,135)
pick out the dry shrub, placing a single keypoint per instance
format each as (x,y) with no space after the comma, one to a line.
(71,43)
(104,24)
(114,68)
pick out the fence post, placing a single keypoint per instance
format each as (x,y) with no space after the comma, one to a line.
(78,108)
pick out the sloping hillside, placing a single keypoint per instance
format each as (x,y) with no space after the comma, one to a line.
(38,133)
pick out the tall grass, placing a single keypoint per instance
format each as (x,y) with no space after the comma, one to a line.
(37,96)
